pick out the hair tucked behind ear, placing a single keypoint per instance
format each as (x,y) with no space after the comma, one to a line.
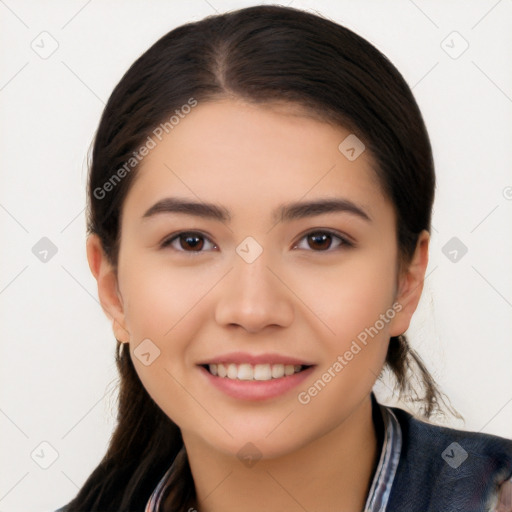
(259,55)
(405,363)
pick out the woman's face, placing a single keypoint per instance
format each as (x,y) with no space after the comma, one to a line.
(289,258)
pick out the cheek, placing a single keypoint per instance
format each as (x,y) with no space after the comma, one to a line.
(356,302)
(350,298)
(166,305)
(160,298)
(161,302)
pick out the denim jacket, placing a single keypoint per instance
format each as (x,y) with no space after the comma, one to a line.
(424,468)
(442,469)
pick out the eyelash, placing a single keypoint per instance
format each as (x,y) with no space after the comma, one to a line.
(344,242)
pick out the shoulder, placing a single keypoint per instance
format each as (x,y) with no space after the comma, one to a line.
(451,469)
(419,433)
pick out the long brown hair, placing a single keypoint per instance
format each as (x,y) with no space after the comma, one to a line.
(258,54)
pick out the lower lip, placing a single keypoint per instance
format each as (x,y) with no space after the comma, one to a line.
(257,389)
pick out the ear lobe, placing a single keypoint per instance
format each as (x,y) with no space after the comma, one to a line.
(410,286)
(108,291)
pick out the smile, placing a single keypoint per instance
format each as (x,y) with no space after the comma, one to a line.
(260,372)
(261,381)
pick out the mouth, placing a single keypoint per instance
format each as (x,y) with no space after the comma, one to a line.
(254,372)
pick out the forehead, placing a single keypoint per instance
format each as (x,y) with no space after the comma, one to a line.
(238,153)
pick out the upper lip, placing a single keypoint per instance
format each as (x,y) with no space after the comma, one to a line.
(243,357)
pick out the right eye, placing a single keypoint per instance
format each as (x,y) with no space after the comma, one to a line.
(187,241)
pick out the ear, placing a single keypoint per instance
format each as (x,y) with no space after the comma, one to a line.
(410,286)
(108,290)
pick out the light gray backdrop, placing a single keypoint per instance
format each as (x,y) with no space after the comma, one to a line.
(60,62)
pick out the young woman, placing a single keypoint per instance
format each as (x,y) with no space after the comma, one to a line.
(260,198)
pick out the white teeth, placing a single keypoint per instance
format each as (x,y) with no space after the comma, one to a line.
(262,372)
(247,371)
(277,371)
(232,371)
(221,370)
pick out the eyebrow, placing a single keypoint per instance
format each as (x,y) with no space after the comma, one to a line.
(286,212)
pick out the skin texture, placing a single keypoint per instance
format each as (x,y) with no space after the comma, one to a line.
(294,299)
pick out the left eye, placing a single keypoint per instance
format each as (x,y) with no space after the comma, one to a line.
(322,241)
(188,242)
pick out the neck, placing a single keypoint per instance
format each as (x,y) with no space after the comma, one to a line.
(333,472)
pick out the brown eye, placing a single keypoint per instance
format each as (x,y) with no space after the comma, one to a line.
(193,242)
(323,240)
(319,241)
(188,242)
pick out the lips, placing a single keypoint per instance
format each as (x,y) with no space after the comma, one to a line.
(239,358)
(255,376)
(254,389)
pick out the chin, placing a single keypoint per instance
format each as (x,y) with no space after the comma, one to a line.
(250,446)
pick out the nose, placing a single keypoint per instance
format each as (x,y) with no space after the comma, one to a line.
(253,297)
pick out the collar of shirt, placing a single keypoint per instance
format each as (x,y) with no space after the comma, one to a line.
(386,423)
(389,457)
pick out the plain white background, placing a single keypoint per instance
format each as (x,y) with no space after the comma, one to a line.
(57,348)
